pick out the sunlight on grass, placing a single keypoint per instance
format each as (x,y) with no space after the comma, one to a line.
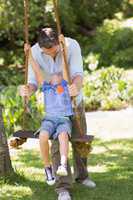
(111,170)
(98,150)
(97,169)
(15,192)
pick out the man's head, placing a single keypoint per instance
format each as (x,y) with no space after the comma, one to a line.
(48,41)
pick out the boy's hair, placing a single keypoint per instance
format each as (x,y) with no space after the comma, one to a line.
(47,38)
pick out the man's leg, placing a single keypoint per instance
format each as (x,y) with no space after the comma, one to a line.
(63,183)
(80,164)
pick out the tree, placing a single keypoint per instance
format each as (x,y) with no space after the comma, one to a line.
(5,162)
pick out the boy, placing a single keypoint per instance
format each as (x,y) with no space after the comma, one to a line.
(56,124)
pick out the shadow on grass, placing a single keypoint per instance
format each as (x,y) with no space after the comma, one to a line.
(31,158)
(37,190)
(114,182)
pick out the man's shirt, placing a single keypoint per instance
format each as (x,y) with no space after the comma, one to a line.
(50,65)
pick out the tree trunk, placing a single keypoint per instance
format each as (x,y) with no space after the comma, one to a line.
(5,162)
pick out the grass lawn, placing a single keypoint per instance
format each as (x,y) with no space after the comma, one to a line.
(112,171)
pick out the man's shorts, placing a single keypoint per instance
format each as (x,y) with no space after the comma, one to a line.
(56,125)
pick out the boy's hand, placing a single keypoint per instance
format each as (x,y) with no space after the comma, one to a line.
(73,90)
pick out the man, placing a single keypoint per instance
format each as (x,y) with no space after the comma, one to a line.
(48,55)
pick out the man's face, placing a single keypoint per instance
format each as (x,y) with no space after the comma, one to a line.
(51,51)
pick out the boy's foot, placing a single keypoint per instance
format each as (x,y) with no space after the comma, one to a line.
(49,176)
(62,171)
(64,196)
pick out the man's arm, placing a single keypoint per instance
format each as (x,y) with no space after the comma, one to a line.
(32,85)
(36,68)
(76,69)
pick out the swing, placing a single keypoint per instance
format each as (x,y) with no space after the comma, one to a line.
(83,142)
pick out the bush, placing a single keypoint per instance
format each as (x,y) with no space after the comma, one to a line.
(77,17)
(107,89)
(11,76)
(14,111)
(91,13)
(114,43)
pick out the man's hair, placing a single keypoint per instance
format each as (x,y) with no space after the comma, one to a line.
(47,38)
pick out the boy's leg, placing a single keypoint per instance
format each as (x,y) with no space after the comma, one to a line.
(63,183)
(44,147)
(47,128)
(64,145)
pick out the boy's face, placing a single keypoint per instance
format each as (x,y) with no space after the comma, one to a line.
(56,78)
(51,51)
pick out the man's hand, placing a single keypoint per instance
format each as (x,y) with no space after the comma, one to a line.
(76,86)
(27,90)
(24,91)
(61,38)
(26,47)
(73,90)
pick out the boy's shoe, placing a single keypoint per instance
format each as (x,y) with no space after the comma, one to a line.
(64,196)
(49,176)
(62,171)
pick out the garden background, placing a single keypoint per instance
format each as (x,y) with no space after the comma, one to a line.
(104,30)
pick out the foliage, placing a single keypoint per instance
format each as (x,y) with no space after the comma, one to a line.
(114,43)
(11,76)
(91,13)
(107,89)
(14,111)
(78,18)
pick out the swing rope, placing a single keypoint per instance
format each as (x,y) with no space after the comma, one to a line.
(82,142)
(15,143)
(26,38)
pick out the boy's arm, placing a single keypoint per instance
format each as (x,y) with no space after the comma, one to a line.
(36,68)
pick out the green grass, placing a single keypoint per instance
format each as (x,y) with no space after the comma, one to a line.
(112,170)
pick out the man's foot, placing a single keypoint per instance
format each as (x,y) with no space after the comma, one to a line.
(89,183)
(64,196)
(62,171)
(49,176)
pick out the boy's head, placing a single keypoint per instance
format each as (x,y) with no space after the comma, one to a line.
(56,78)
(48,41)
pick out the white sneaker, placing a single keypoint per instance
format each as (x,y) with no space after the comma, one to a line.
(62,171)
(89,183)
(50,180)
(64,196)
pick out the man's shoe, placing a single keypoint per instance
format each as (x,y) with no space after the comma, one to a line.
(64,196)
(89,183)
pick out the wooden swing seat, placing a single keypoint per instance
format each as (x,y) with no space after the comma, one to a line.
(26,134)
(35,135)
